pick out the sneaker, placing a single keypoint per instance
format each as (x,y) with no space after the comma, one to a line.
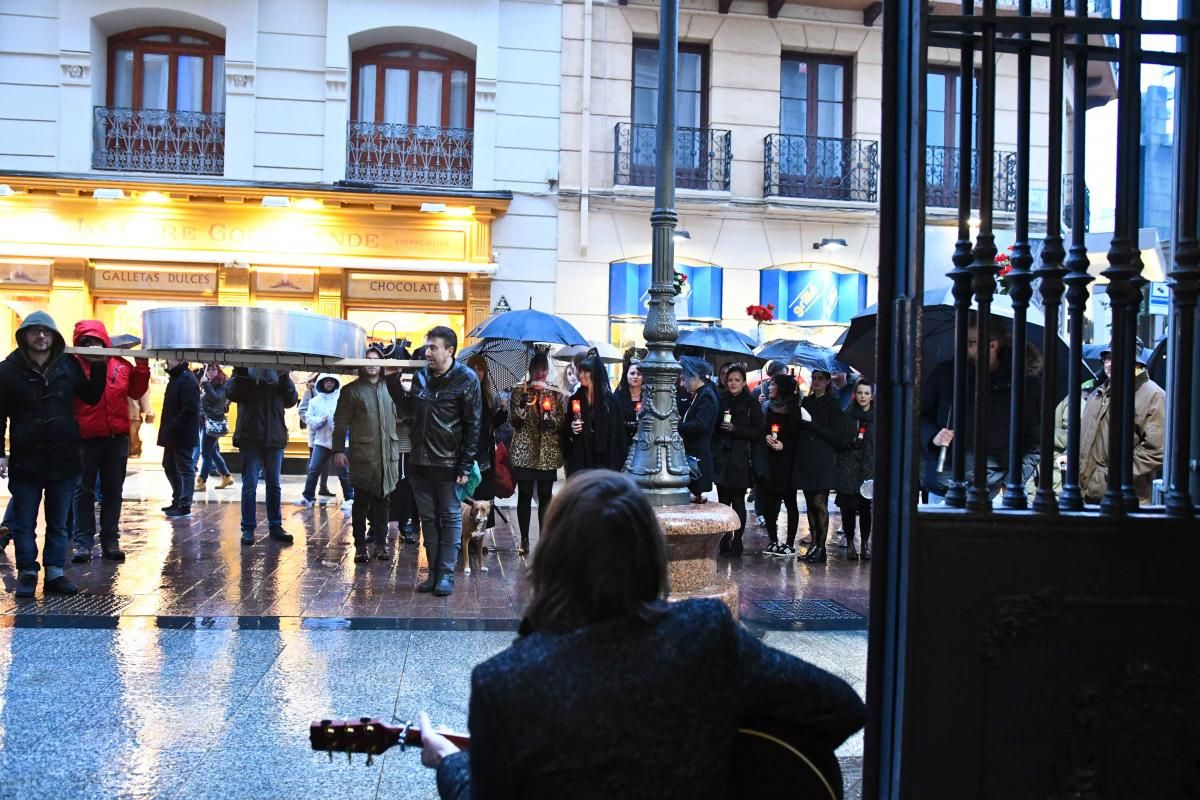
(806,540)
(171,507)
(302,501)
(762,521)
(176,513)
(786,551)
(771,550)
(426,585)
(348,507)
(247,537)
(81,554)
(842,539)
(280,535)
(324,499)
(445,585)
(325,492)
(360,556)
(200,484)
(5,536)
(26,584)
(60,585)
(226,482)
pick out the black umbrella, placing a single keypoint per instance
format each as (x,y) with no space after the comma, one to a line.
(801,353)
(937,310)
(529,326)
(718,346)
(507,361)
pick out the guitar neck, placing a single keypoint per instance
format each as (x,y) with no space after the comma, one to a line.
(366,735)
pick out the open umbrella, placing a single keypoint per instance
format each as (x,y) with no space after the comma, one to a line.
(608,353)
(718,346)
(799,352)
(937,311)
(507,361)
(529,326)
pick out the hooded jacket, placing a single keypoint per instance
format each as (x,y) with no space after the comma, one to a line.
(179,426)
(368,411)
(262,396)
(37,404)
(318,415)
(124,382)
(1149,431)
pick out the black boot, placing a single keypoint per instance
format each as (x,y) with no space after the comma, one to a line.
(427,585)
(851,550)
(445,584)
(277,533)
(110,547)
(815,555)
(524,544)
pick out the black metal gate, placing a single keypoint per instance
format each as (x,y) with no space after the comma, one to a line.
(1044,646)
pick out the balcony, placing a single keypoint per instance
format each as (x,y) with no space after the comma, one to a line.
(820,168)
(702,157)
(155,140)
(409,155)
(941,179)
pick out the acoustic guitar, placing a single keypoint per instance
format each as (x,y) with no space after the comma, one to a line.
(766,763)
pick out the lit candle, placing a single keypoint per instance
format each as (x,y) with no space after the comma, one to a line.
(575,408)
(637,407)
(774,429)
(547,404)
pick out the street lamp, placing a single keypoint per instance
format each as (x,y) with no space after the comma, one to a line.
(657,460)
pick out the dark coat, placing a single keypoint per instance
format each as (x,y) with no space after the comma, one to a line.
(261,406)
(696,428)
(179,425)
(732,450)
(38,406)
(446,411)
(491,417)
(214,401)
(774,472)
(856,456)
(937,404)
(642,712)
(817,446)
(603,443)
(368,412)
(629,409)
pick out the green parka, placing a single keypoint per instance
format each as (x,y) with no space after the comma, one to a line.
(369,412)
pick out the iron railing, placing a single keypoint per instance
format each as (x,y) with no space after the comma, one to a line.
(703,157)
(1095,8)
(941,179)
(820,167)
(155,140)
(409,155)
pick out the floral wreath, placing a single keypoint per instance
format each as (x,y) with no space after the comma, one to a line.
(761,313)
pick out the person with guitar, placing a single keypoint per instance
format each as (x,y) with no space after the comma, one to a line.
(651,695)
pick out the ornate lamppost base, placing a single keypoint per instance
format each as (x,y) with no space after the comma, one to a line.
(692,532)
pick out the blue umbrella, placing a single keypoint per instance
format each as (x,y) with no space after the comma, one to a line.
(529,326)
(802,353)
(718,346)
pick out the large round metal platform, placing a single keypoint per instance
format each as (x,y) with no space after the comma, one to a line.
(242,329)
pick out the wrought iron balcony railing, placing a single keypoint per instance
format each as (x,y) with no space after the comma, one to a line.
(820,167)
(1095,8)
(703,157)
(1068,207)
(409,155)
(154,140)
(941,179)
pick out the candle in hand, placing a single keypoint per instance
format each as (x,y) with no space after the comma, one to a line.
(575,407)
(774,430)
(547,404)
(637,407)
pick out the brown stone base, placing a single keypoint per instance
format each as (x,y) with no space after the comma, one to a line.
(692,533)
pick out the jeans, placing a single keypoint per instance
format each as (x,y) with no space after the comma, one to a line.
(267,463)
(181,472)
(104,458)
(26,497)
(441,521)
(816,503)
(212,461)
(320,458)
(768,505)
(369,508)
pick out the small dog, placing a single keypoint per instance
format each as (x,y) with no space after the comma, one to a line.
(475,515)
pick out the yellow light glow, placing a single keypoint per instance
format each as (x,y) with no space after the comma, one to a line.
(460,211)
(156,198)
(308,204)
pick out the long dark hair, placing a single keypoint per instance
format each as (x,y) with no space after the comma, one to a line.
(601,556)
(593,364)
(486,389)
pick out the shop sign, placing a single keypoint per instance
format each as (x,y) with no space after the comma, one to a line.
(301,282)
(629,291)
(813,295)
(391,287)
(20,273)
(165,280)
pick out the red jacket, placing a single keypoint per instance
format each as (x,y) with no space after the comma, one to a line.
(110,417)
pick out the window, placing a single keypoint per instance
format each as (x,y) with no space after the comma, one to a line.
(812,96)
(167,70)
(943,88)
(691,86)
(413,85)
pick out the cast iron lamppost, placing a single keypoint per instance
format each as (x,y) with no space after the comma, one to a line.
(657,460)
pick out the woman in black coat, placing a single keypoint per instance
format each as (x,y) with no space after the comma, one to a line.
(816,459)
(774,474)
(855,464)
(698,423)
(492,414)
(652,694)
(738,433)
(594,434)
(630,395)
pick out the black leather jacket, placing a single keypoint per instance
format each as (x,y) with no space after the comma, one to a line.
(445,412)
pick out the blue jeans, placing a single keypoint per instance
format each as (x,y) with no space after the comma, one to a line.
(316,464)
(267,463)
(441,520)
(181,474)
(213,461)
(26,497)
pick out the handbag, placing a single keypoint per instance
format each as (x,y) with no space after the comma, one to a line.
(216,427)
(502,476)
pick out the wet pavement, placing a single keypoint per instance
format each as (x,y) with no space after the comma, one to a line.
(193,669)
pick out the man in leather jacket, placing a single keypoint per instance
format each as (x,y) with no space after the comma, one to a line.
(444,404)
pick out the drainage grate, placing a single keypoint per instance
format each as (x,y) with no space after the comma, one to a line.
(103,605)
(817,612)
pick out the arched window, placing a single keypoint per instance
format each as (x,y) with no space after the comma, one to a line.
(169,69)
(413,84)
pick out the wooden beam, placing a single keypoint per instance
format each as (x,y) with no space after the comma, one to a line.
(723,6)
(872,13)
(774,7)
